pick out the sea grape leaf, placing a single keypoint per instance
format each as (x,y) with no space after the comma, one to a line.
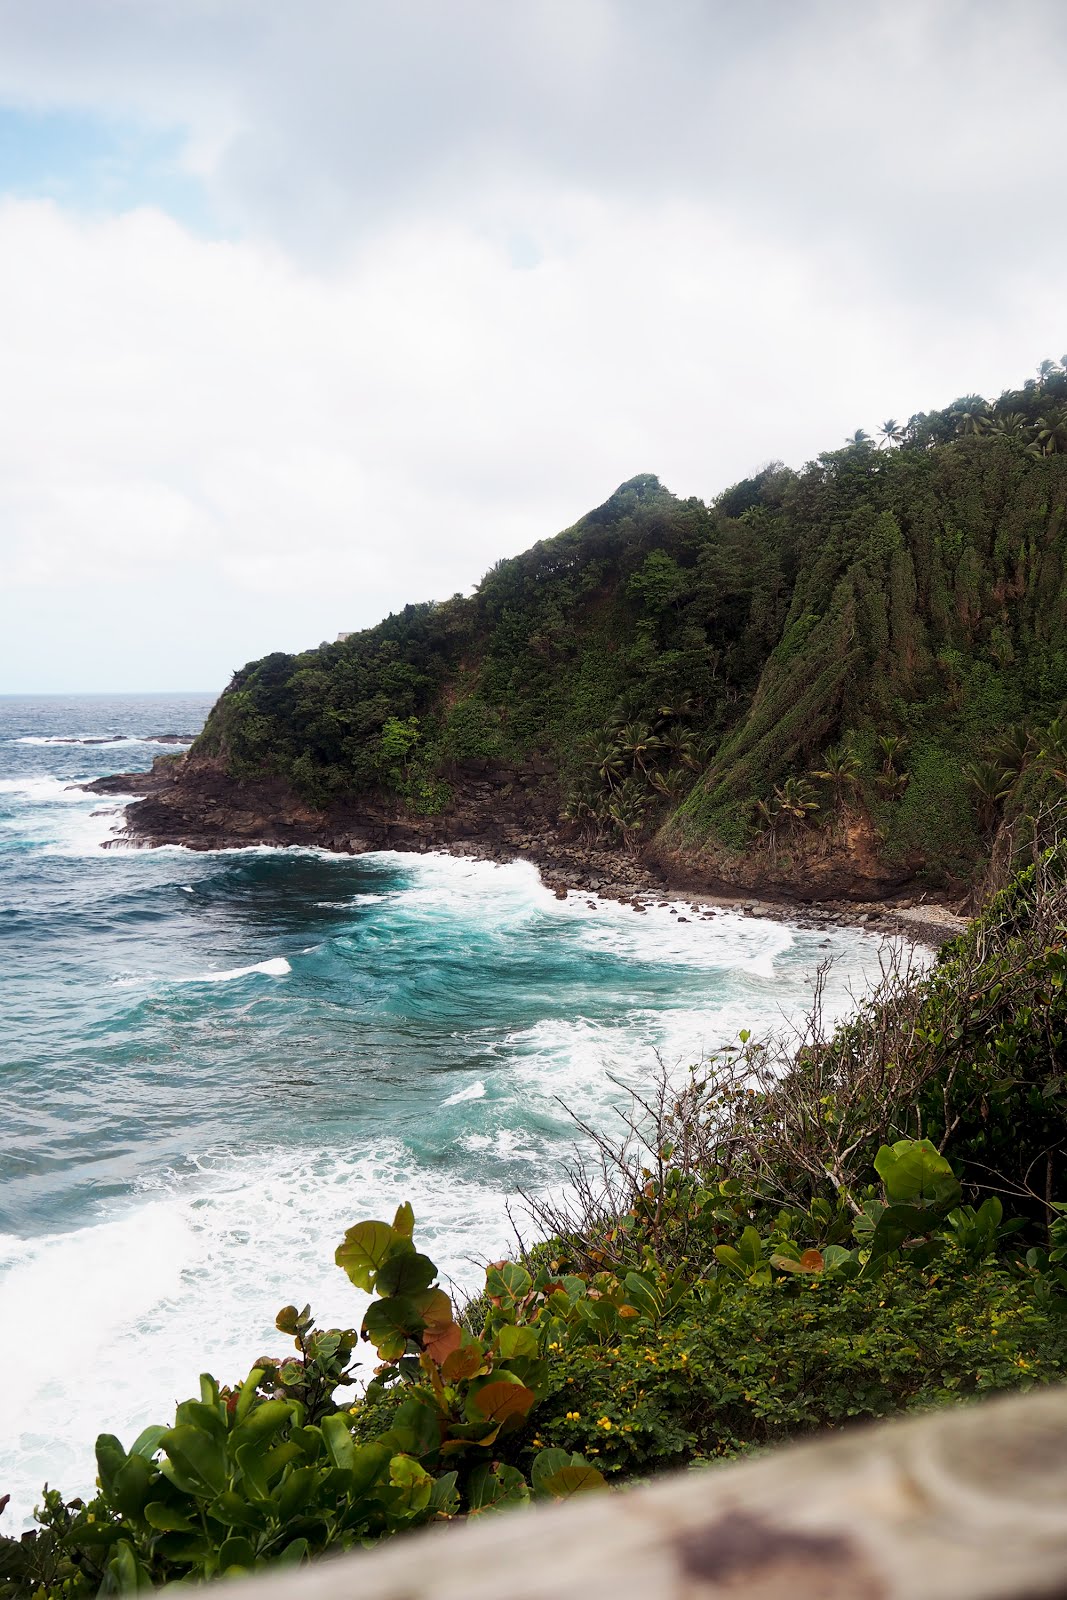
(807,1261)
(575,1479)
(546,1464)
(914,1171)
(498,1400)
(442,1343)
(465,1362)
(364,1250)
(513,1342)
(389,1324)
(405,1272)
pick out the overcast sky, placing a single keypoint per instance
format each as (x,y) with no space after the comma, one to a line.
(312,307)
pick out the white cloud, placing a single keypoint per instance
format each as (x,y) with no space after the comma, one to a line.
(470,278)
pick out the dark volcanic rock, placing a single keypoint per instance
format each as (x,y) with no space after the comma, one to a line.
(498,814)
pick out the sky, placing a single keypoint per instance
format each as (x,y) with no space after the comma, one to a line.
(311,308)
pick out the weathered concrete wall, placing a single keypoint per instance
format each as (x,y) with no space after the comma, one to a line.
(966,1504)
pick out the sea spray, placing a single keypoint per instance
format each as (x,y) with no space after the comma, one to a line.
(214,1063)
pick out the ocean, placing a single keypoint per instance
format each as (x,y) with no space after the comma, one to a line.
(213,1063)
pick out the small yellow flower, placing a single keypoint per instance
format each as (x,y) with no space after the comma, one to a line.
(605,1423)
(573,1416)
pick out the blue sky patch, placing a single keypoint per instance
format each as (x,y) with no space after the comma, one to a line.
(97,164)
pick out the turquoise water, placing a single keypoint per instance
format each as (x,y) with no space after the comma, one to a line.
(213,1063)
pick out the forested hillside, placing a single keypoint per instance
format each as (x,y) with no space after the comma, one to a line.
(881,637)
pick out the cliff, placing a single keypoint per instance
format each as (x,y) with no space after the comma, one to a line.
(838,682)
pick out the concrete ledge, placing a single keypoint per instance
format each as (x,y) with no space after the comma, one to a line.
(969,1503)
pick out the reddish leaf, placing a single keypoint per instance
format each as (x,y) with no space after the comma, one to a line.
(463,1363)
(440,1343)
(498,1401)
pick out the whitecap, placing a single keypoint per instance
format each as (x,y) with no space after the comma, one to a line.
(474,1091)
(187,1277)
(275,967)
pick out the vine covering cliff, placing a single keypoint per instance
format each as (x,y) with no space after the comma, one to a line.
(865,659)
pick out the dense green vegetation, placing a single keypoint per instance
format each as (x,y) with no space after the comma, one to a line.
(704,670)
(787,1241)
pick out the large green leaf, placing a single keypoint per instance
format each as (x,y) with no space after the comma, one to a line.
(147,1441)
(109,1458)
(371,1463)
(575,1479)
(389,1324)
(339,1441)
(263,1421)
(132,1485)
(405,1272)
(197,1456)
(364,1250)
(546,1464)
(167,1519)
(236,1555)
(513,1342)
(914,1172)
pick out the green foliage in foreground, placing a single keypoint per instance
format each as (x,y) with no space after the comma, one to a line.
(772,1336)
(789,1258)
(912,593)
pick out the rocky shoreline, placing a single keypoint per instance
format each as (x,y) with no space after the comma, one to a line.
(502,815)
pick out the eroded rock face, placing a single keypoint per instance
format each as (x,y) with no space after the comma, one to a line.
(841,863)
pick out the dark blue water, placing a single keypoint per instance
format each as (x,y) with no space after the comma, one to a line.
(212,1064)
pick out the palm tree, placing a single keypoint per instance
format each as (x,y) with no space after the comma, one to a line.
(1012,425)
(892,746)
(582,808)
(1012,749)
(1051,432)
(1047,369)
(683,744)
(840,768)
(636,742)
(987,781)
(671,783)
(861,439)
(891,433)
(768,819)
(626,810)
(973,421)
(796,800)
(1053,752)
(607,763)
(683,705)
(893,783)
